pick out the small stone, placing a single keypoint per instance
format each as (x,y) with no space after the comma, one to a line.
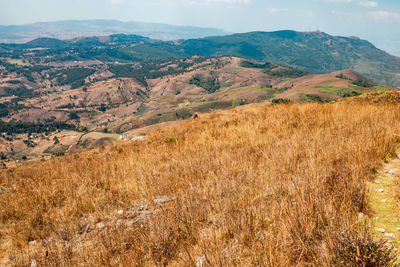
(163,199)
(33,263)
(138,218)
(398,228)
(384,200)
(380,190)
(381,230)
(119,222)
(120,212)
(389,234)
(64,234)
(200,261)
(32,242)
(360,215)
(138,138)
(141,207)
(377,182)
(83,228)
(100,225)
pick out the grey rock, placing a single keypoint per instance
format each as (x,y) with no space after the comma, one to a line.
(162,199)
(138,138)
(100,225)
(64,234)
(142,207)
(201,261)
(138,217)
(85,228)
(33,263)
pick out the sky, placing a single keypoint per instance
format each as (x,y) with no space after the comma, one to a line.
(375,20)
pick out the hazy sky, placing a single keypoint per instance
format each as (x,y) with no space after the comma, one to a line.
(375,20)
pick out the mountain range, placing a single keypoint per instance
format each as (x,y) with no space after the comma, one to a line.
(315,52)
(77,28)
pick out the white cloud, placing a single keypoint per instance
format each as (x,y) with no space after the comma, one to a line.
(367,3)
(384,16)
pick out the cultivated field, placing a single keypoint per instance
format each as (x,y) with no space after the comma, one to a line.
(267,185)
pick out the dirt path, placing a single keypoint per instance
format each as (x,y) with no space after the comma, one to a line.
(385,207)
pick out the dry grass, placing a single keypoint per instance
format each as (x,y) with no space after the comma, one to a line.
(274,185)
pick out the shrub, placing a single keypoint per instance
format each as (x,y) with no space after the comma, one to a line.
(355,249)
(170,140)
(281,101)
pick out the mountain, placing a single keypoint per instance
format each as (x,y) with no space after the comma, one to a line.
(76,28)
(316,52)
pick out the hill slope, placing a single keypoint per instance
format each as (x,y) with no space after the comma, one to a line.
(279,185)
(121,98)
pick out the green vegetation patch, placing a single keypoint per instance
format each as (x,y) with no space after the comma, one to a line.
(21,92)
(284,72)
(380,89)
(73,76)
(181,114)
(281,101)
(364,83)
(314,98)
(210,84)
(212,106)
(253,64)
(142,109)
(342,92)
(57,149)
(150,51)
(14,127)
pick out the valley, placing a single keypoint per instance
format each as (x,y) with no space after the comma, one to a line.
(46,102)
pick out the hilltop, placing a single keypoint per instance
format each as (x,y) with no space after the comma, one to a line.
(278,185)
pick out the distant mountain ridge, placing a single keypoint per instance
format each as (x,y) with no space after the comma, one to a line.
(84,28)
(315,52)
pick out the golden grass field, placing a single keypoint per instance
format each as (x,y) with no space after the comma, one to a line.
(263,185)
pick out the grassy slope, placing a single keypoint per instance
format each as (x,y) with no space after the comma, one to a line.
(264,185)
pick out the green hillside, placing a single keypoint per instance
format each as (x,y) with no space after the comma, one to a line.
(316,52)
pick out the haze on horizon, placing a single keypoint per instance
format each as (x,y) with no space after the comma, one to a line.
(375,20)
